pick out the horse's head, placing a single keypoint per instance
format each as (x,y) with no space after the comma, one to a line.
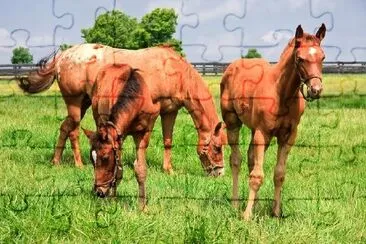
(105,156)
(211,153)
(309,58)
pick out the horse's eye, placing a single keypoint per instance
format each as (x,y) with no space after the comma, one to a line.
(323,58)
(300,60)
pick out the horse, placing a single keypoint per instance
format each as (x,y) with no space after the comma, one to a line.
(270,100)
(122,105)
(172,81)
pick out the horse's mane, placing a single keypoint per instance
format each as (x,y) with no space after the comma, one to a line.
(128,95)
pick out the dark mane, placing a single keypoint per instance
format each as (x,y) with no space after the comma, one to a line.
(128,95)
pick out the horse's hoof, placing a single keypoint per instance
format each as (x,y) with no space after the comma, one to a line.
(277,214)
(169,171)
(55,162)
(246,216)
(79,165)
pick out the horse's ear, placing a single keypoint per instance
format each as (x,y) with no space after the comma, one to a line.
(90,134)
(320,34)
(298,35)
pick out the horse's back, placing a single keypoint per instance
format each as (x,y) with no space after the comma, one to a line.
(244,76)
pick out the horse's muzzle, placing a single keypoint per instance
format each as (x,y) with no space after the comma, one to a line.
(216,172)
(314,92)
(103,192)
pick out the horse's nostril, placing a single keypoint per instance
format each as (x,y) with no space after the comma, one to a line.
(100,193)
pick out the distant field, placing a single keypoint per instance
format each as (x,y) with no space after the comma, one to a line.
(324,196)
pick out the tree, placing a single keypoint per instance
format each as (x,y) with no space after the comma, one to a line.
(119,30)
(160,24)
(65,46)
(21,55)
(252,53)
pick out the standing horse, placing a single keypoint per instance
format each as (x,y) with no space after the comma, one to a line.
(122,106)
(268,99)
(172,81)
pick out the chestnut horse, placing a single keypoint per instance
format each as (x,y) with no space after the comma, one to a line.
(122,106)
(172,81)
(269,100)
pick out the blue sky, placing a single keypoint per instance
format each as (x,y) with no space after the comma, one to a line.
(211,30)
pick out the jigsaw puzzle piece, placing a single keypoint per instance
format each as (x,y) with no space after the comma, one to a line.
(105,213)
(91,11)
(346,17)
(34,31)
(200,38)
(61,215)
(274,32)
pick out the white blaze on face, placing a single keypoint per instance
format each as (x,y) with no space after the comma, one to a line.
(312,50)
(94,156)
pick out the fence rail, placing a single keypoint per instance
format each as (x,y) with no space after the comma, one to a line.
(11,70)
(328,67)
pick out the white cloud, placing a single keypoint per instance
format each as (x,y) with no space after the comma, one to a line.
(40,40)
(209,14)
(275,37)
(5,37)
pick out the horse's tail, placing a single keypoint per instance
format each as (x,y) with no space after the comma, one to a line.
(42,78)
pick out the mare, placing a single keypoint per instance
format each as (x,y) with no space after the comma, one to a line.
(122,105)
(269,99)
(172,81)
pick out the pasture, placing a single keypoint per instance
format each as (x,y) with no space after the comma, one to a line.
(324,196)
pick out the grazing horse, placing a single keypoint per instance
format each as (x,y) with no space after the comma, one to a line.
(269,100)
(172,81)
(122,106)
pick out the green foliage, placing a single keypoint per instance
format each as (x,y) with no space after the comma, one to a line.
(43,203)
(160,23)
(252,53)
(65,46)
(119,30)
(21,55)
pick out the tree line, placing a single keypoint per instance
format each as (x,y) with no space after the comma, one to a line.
(119,30)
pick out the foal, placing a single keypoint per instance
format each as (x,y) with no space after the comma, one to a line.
(269,100)
(122,106)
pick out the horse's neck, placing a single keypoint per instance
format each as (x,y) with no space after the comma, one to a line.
(199,103)
(288,79)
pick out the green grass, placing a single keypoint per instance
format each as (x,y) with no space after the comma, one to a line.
(324,196)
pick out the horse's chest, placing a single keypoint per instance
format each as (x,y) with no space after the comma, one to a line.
(168,105)
(142,123)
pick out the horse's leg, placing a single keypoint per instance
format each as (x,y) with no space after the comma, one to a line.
(233,125)
(72,121)
(284,147)
(167,121)
(235,162)
(141,142)
(255,164)
(74,134)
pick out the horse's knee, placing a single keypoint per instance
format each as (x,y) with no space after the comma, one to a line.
(69,124)
(140,172)
(168,143)
(279,179)
(235,159)
(255,181)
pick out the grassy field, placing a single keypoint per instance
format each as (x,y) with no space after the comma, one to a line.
(324,196)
